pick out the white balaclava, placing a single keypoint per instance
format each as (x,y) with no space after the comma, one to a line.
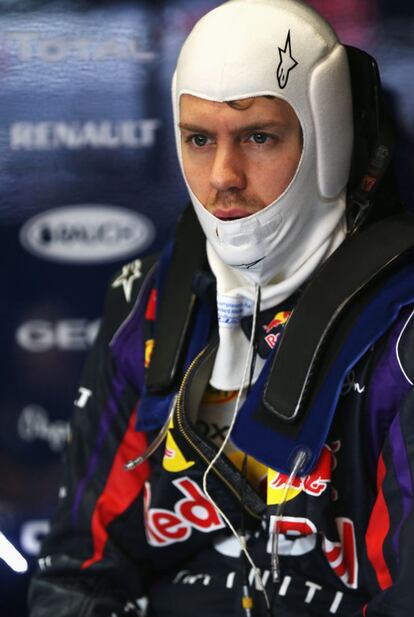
(281,48)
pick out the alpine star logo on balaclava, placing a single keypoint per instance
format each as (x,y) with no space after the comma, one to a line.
(286,64)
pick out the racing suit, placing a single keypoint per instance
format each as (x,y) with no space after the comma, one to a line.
(148,541)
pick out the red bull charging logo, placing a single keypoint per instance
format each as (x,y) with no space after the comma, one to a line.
(313,484)
(278,321)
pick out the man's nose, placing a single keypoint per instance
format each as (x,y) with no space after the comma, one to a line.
(227,171)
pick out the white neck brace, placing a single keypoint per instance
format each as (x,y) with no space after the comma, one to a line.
(235,300)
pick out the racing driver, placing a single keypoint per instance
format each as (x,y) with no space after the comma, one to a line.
(242,441)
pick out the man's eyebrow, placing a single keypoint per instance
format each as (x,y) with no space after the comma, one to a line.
(261,126)
(192,127)
(254,126)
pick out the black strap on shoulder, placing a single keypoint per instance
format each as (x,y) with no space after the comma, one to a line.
(313,331)
(374,139)
(176,305)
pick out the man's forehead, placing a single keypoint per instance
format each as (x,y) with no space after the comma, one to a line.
(261,109)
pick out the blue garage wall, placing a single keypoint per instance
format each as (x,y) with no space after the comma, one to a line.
(89,181)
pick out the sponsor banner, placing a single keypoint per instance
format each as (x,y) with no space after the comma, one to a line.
(21,540)
(84,234)
(32,533)
(52,47)
(42,335)
(76,135)
(34,424)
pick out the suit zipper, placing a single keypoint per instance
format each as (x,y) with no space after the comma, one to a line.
(180,412)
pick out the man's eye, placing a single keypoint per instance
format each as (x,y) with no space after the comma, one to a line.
(198,140)
(260,138)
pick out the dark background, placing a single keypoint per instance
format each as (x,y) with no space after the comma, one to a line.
(86,123)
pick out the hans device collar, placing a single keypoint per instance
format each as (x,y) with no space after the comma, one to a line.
(349,303)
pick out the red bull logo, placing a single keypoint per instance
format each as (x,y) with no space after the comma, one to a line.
(278,320)
(313,484)
(194,511)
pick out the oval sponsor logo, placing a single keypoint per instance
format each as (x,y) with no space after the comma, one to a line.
(87,233)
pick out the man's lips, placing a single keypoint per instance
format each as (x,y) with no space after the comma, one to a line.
(230,214)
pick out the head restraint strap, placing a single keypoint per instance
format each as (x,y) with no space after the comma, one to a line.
(373,139)
(176,304)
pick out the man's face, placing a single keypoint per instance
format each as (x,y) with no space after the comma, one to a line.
(238,160)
